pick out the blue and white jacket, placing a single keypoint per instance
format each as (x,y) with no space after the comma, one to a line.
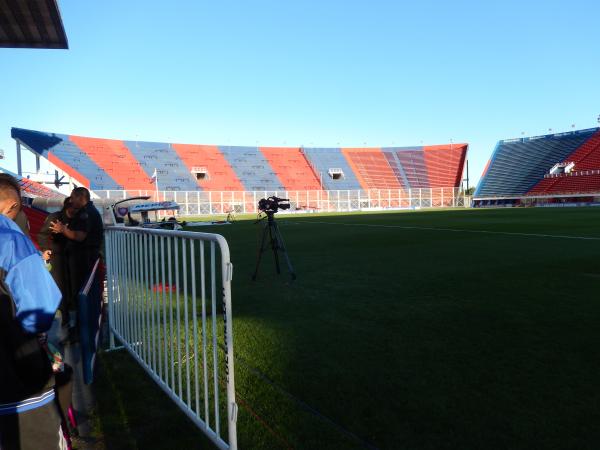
(28,301)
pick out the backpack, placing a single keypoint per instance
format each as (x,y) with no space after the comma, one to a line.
(26,371)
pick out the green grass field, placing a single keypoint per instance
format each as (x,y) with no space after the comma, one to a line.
(466,329)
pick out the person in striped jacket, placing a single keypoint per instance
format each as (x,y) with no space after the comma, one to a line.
(29,415)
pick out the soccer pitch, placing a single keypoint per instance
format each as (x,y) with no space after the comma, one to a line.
(431,329)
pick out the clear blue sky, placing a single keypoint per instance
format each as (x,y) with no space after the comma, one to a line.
(310,72)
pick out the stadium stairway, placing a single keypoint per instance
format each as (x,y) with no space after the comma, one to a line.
(252,169)
(396,166)
(372,168)
(323,159)
(172,173)
(412,159)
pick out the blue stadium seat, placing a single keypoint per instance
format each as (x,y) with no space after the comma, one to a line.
(252,168)
(173,174)
(61,147)
(323,159)
(518,164)
(412,161)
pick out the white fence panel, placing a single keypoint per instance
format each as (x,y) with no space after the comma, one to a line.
(163,307)
(195,203)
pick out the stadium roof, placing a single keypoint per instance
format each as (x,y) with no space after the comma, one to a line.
(31,24)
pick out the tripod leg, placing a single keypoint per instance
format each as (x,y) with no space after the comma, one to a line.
(274,244)
(281,246)
(261,249)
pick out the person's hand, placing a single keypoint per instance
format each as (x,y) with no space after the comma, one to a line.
(57,227)
(46,255)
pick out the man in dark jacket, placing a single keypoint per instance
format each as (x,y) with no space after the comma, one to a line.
(83,235)
(29,418)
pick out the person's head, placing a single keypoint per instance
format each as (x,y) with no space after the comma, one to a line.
(67,207)
(80,197)
(10,196)
(66,203)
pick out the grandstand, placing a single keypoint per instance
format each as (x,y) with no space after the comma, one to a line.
(30,188)
(555,168)
(118,165)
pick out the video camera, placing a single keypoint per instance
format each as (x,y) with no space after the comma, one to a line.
(273,204)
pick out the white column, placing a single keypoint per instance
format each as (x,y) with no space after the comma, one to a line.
(19,167)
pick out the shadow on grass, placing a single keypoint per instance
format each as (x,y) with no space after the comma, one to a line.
(132,412)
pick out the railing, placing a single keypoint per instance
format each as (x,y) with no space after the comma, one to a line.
(89,306)
(546,136)
(221,202)
(162,294)
(573,174)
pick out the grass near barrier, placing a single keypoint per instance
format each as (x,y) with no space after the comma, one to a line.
(400,333)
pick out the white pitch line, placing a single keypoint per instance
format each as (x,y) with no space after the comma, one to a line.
(455,230)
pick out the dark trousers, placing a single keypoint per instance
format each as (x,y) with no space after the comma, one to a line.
(59,275)
(78,268)
(38,429)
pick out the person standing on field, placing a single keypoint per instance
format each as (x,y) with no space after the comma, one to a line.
(29,415)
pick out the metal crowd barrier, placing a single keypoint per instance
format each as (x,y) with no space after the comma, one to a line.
(89,307)
(163,306)
(221,202)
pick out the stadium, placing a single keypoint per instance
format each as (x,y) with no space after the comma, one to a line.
(550,170)
(328,297)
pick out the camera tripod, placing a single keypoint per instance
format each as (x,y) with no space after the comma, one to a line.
(276,242)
